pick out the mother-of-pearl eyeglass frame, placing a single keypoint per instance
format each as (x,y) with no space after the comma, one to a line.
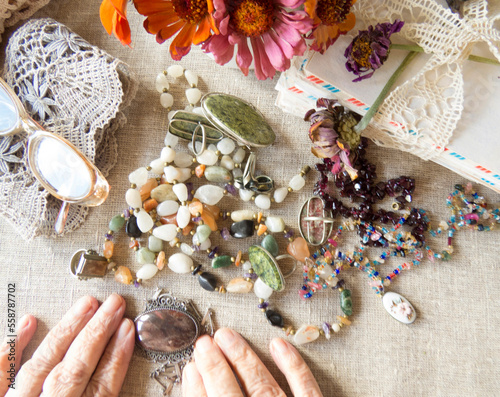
(55,162)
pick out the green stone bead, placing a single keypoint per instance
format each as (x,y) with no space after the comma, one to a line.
(265,267)
(445,256)
(221,261)
(155,244)
(346,302)
(218,174)
(203,232)
(144,255)
(269,243)
(116,223)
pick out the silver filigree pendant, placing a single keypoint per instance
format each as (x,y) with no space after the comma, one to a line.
(166,332)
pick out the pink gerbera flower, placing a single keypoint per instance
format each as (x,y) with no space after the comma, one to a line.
(274,33)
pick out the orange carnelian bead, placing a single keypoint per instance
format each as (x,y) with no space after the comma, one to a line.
(298,249)
(200,170)
(108,249)
(145,189)
(150,204)
(188,228)
(166,220)
(259,217)
(238,258)
(123,275)
(208,219)
(133,244)
(213,209)
(261,230)
(195,207)
(160,260)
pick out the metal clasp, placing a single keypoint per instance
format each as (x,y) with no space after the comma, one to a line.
(87,264)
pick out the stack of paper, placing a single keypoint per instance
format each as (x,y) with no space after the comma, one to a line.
(472,152)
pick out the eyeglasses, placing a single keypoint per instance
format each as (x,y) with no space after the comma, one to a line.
(57,164)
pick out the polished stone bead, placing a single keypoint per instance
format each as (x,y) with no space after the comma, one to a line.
(226,146)
(183,216)
(155,244)
(150,205)
(144,221)
(131,228)
(133,198)
(144,255)
(168,207)
(116,223)
(306,334)
(160,260)
(270,244)
(180,263)
(209,194)
(246,195)
(275,224)
(242,229)
(239,117)
(163,192)
(208,157)
(274,318)
(145,190)
(227,162)
(147,271)
(165,232)
(280,194)
(166,331)
(218,174)
(139,176)
(263,201)
(123,275)
(221,261)
(239,286)
(108,249)
(241,215)
(298,249)
(183,160)
(265,267)
(346,302)
(262,290)
(207,281)
(203,232)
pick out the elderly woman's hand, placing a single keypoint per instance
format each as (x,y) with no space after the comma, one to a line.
(87,353)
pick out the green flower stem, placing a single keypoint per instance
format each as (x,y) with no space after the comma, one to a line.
(374,108)
(416,48)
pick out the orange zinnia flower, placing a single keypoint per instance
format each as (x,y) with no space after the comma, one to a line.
(331,19)
(113,15)
(192,19)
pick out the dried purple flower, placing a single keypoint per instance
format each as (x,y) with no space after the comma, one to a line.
(370,49)
(332,134)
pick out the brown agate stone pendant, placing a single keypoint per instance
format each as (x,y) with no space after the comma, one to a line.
(166,332)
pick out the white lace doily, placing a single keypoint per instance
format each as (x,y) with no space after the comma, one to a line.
(12,11)
(73,89)
(429,106)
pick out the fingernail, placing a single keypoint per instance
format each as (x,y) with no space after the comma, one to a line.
(204,344)
(225,337)
(279,346)
(112,304)
(124,329)
(23,322)
(83,306)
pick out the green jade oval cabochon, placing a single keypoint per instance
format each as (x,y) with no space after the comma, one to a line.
(238,119)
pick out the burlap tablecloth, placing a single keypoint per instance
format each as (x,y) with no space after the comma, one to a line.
(453,347)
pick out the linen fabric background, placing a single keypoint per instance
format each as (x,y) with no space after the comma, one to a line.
(453,347)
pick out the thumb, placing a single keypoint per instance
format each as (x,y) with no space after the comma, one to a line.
(11,351)
(293,366)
